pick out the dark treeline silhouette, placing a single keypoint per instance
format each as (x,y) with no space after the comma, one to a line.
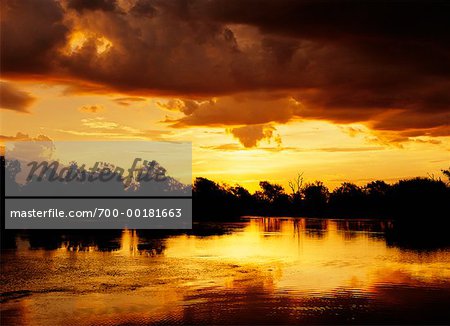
(417,197)
(426,197)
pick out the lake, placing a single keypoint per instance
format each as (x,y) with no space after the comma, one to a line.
(257,270)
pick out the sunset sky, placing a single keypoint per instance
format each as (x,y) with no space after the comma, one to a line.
(350,91)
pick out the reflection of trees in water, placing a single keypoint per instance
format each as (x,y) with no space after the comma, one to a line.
(73,240)
(8,239)
(87,240)
(151,242)
(311,227)
(315,228)
(415,236)
(375,229)
(271,224)
(418,235)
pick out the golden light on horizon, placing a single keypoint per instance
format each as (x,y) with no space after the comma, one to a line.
(325,151)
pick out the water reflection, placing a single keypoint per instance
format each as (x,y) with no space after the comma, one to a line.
(264,270)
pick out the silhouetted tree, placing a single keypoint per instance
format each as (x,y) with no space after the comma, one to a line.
(377,198)
(296,196)
(212,201)
(271,192)
(347,200)
(315,199)
(274,199)
(245,202)
(420,197)
(447,174)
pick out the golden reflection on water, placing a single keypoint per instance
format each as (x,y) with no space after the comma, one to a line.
(129,242)
(319,260)
(263,267)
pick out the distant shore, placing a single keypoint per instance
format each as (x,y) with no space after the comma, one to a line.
(408,199)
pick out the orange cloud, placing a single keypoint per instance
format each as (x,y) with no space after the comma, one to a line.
(91,108)
(126,101)
(250,136)
(11,98)
(100,127)
(248,108)
(46,141)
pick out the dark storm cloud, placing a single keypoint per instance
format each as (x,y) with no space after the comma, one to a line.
(82,5)
(143,8)
(31,33)
(383,62)
(330,19)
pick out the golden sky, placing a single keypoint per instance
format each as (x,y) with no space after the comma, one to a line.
(262,89)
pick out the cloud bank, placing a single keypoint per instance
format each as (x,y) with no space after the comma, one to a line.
(383,63)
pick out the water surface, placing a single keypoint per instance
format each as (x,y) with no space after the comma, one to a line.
(260,270)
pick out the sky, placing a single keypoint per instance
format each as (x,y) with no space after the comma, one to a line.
(339,91)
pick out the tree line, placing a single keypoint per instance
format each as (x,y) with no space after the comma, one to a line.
(426,197)
(416,197)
